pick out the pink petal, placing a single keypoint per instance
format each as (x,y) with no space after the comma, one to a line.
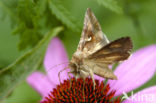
(40,83)
(137,70)
(99,78)
(145,96)
(55,57)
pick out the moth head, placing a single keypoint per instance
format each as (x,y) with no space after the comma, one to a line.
(73,66)
(74,69)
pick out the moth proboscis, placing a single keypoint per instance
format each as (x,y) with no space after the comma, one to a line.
(95,52)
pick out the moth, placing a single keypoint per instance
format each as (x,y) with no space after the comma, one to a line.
(95,52)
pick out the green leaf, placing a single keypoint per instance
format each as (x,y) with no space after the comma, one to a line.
(31,19)
(111,4)
(28,28)
(63,15)
(28,37)
(25,18)
(11,76)
(6,8)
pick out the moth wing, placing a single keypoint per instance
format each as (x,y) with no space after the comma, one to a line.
(115,51)
(92,37)
(104,71)
(99,69)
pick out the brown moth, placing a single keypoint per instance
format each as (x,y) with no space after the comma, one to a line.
(95,52)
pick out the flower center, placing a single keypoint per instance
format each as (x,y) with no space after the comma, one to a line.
(80,91)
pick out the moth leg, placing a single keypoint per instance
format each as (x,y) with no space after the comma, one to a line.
(69,75)
(60,72)
(91,73)
(83,74)
(70,78)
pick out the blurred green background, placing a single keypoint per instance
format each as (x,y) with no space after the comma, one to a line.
(23,24)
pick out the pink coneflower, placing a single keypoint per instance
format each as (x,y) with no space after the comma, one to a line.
(132,73)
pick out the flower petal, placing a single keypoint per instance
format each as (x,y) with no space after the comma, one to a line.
(145,96)
(40,83)
(135,71)
(99,78)
(55,55)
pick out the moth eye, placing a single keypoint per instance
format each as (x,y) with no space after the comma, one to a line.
(73,65)
(78,72)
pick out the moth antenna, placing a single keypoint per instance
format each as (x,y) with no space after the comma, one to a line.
(56,66)
(62,71)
